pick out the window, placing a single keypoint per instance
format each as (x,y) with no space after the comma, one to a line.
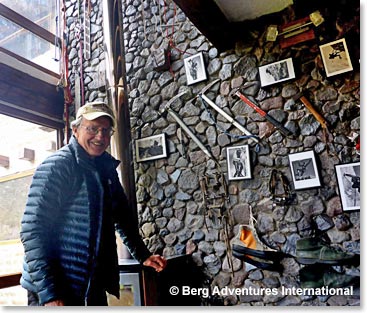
(28,45)
(28,28)
(41,12)
(23,146)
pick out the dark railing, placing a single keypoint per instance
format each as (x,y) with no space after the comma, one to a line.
(11,280)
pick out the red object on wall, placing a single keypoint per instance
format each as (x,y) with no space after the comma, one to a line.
(358,145)
(300,34)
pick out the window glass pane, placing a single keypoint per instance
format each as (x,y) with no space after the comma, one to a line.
(23,146)
(16,296)
(41,12)
(29,46)
(11,253)
(17,137)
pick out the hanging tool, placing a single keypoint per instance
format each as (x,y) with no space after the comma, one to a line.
(279,182)
(211,184)
(87,14)
(316,114)
(327,136)
(224,114)
(295,28)
(183,125)
(285,131)
(64,75)
(216,202)
(318,117)
(78,36)
(77,98)
(57,55)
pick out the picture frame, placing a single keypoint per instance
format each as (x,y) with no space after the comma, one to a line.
(348,177)
(305,173)
(335,57)
(238,162)
(276,72)
(195,68)
(151,148)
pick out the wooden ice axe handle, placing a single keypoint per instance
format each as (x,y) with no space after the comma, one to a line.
(316,114)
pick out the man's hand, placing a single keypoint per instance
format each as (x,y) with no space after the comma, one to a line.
(55,303)
(156,261)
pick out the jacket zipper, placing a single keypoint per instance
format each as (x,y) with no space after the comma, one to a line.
(100,185)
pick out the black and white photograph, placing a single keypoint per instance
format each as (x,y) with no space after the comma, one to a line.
(276,72)
(151,148)
(336,57)
(183,154)
(349,182)
(195,68)
(304,170)
(238,162)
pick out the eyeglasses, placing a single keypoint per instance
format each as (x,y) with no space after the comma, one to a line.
(92,130)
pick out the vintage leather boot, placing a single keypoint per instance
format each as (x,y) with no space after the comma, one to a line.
(311,276)
(258,262)
(248,247)
(315,250)
(317,276)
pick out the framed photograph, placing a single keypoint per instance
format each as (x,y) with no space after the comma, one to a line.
(336,58)
(349,182)
(151,148)
(304,170)
(238,162)
(276,72)
(195,68)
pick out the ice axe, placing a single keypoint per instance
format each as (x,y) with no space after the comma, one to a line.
(316,114)
(184,126)
(224,114)
(268,117)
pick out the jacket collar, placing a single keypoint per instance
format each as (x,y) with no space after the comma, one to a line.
(82,157)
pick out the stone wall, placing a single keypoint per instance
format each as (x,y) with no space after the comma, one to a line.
(93,70)
(174,218)
(170,202)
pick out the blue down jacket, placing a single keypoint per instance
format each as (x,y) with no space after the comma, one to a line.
(65,203)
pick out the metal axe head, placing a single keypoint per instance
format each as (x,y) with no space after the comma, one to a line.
(241,89)
(233,92)
(168,104)
(205,89)
(210,85)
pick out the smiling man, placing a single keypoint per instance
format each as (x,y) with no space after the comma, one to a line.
(93,128)
(74,206)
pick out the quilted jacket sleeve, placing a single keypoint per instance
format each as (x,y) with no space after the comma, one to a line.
(127,228)
(37,227)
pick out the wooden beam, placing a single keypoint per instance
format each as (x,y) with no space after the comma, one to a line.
(26,97)
(24,61)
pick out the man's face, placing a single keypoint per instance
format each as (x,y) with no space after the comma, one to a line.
(94,144)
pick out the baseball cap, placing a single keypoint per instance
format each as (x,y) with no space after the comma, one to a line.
(93,110)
